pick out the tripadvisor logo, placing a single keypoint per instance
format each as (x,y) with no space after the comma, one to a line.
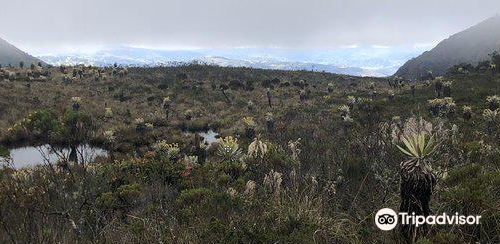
(387,219)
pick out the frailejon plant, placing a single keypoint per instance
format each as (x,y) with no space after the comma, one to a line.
(229,149)
(447,88)
(295,148)
(351,100)
(110,137)
(467,112)
(166,104)
(258,148)
(491,118)
(331,87)
(344,110)
(347,122)
(272,182)
(250,188)
(76,103)
(438,85)
(250,125)
(188,114)
(140,125)
(149,126)
(302,95)
(250,106)
(170,150)
(269,97)
(391,95)
(270,122)
(493,102)
(417,180)
(108,113)
(442,106)
(190,162)
(365,104)
(371,85)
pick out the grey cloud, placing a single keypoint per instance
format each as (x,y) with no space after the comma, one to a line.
(233,23)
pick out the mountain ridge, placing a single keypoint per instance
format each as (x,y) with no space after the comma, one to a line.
(471,45)
(348,61)
(11,55)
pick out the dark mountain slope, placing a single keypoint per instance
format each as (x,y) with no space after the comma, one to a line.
(9,54)
(469,46)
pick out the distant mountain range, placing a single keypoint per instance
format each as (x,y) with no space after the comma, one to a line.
(359,61)
(469,46)
(11,55)
(374,61)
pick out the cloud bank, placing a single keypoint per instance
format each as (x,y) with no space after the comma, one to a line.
(237,23)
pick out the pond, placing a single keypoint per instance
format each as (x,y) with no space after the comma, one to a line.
(210,136)
(29,156)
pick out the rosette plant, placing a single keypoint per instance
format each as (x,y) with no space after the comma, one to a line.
(417,179)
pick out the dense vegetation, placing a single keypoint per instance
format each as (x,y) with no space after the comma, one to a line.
(303,157)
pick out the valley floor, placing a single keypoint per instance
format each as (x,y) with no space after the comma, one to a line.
(300,157)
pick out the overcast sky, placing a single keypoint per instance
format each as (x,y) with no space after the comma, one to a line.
(237,23)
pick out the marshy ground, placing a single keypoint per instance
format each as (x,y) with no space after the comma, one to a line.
(303,157)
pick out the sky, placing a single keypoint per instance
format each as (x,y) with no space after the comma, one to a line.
(191,24)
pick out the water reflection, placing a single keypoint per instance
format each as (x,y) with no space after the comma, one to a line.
(29,156)
(210,136)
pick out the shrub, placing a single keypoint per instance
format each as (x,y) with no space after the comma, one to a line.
(472,190)
(193,196)
(446,238)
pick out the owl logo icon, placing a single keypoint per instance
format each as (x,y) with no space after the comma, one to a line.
(386,219)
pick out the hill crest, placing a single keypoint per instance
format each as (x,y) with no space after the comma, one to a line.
(11,55)
(469,46)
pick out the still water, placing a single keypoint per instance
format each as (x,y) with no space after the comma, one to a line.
(29,156)
(210,136)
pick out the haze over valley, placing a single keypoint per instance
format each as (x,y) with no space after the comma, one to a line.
(353,60)
(321,36)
